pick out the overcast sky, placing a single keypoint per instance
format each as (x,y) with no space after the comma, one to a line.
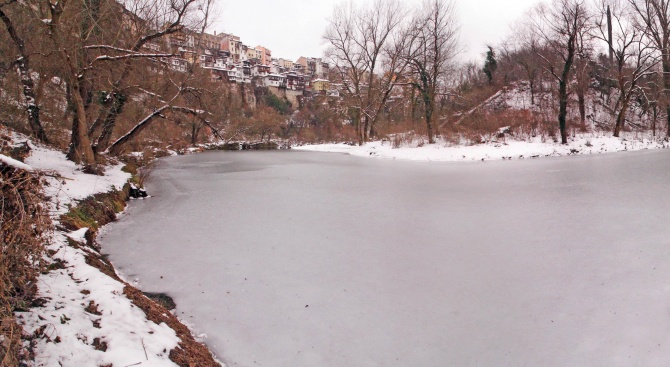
(293,28)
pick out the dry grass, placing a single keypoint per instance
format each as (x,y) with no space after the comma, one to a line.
(485,126)
(24,221)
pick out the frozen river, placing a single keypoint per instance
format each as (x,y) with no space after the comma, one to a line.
(314,259)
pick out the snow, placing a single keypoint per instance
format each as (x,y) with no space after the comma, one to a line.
(497,150)
(14,163)
(122,326)
(73,184)
(78,235)
(85,308)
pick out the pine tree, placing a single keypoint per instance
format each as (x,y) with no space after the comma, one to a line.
(490,65)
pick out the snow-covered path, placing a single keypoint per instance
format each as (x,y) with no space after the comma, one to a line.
(310,259)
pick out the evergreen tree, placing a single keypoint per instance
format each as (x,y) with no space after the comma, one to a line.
(490,65)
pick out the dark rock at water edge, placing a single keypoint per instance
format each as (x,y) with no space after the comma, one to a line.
(162,299)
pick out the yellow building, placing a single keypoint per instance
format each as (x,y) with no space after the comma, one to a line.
(253,53)
(320,85)
(288,64)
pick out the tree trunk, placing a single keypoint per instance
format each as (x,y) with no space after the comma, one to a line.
(118,102)
(609,35)
(653,122)
(532,92)
(620,119)
(31,102)
(563,89)
(358,125)
(429,115)
(562,110)
(80,146)
(195,131)
(23,66)
(366,127)
(582,107)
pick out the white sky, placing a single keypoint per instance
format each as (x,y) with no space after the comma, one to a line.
(293,28)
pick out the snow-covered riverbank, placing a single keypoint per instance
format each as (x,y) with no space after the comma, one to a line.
(503,149)
(87,315)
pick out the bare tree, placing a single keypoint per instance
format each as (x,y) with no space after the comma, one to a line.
(22,63)
(561,27)
(155,20)
(365,46)
(633,59)
(432,48)
(521,50)
(653,18)
(163,109)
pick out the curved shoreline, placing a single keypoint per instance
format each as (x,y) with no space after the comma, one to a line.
(84,313)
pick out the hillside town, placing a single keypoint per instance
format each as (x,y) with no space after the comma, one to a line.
(229,59)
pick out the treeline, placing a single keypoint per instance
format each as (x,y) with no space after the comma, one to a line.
(569,51)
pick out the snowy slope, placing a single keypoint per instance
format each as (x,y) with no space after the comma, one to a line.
(506,145)
(86,320)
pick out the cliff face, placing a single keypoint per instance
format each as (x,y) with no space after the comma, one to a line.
(247,95)
(290,95)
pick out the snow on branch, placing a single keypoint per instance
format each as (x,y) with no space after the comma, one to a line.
(11,162)
(130,56)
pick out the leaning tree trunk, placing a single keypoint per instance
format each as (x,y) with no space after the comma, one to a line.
(117,146)
(118,102)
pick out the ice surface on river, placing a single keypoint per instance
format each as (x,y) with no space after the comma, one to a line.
(313,259)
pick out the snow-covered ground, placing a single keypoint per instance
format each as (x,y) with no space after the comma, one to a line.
(74,184)
(86,319)
(508,148)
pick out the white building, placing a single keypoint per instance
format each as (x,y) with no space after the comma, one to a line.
(274,80)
